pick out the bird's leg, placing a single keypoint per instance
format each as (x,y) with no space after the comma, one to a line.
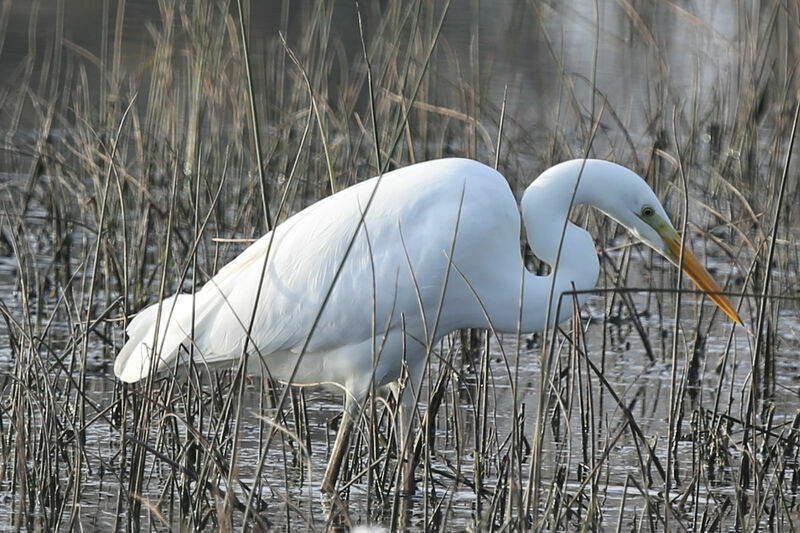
(405,442)
(341,445)
(401,419)
(407,402)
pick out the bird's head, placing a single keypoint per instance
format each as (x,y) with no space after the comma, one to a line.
(632,203)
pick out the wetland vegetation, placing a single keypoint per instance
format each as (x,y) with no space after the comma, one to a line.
(133,166)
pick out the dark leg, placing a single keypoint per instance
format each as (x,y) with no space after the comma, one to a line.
(408,454)
(340,447)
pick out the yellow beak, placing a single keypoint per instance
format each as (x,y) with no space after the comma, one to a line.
(697,272)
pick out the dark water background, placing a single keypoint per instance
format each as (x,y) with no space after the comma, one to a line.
(695,54)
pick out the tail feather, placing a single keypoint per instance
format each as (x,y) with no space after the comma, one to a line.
(134,361)
(219,327)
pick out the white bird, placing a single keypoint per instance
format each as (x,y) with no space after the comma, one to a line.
(438,250)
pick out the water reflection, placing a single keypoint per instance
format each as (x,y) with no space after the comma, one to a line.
(641,58)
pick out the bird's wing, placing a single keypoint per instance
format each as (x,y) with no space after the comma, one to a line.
(303,255)
(306,263)
(394,271)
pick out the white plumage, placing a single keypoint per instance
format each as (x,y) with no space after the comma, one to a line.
(391,292)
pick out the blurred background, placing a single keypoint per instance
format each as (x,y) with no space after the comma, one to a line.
(127,136)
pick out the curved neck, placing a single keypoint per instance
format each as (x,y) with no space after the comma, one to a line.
(545,210)
(545,207)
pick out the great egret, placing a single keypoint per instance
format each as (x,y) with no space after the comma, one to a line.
(437,249)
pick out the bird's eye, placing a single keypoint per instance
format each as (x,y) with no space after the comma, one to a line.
(648,211)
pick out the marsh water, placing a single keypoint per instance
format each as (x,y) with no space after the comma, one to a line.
(695,55)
